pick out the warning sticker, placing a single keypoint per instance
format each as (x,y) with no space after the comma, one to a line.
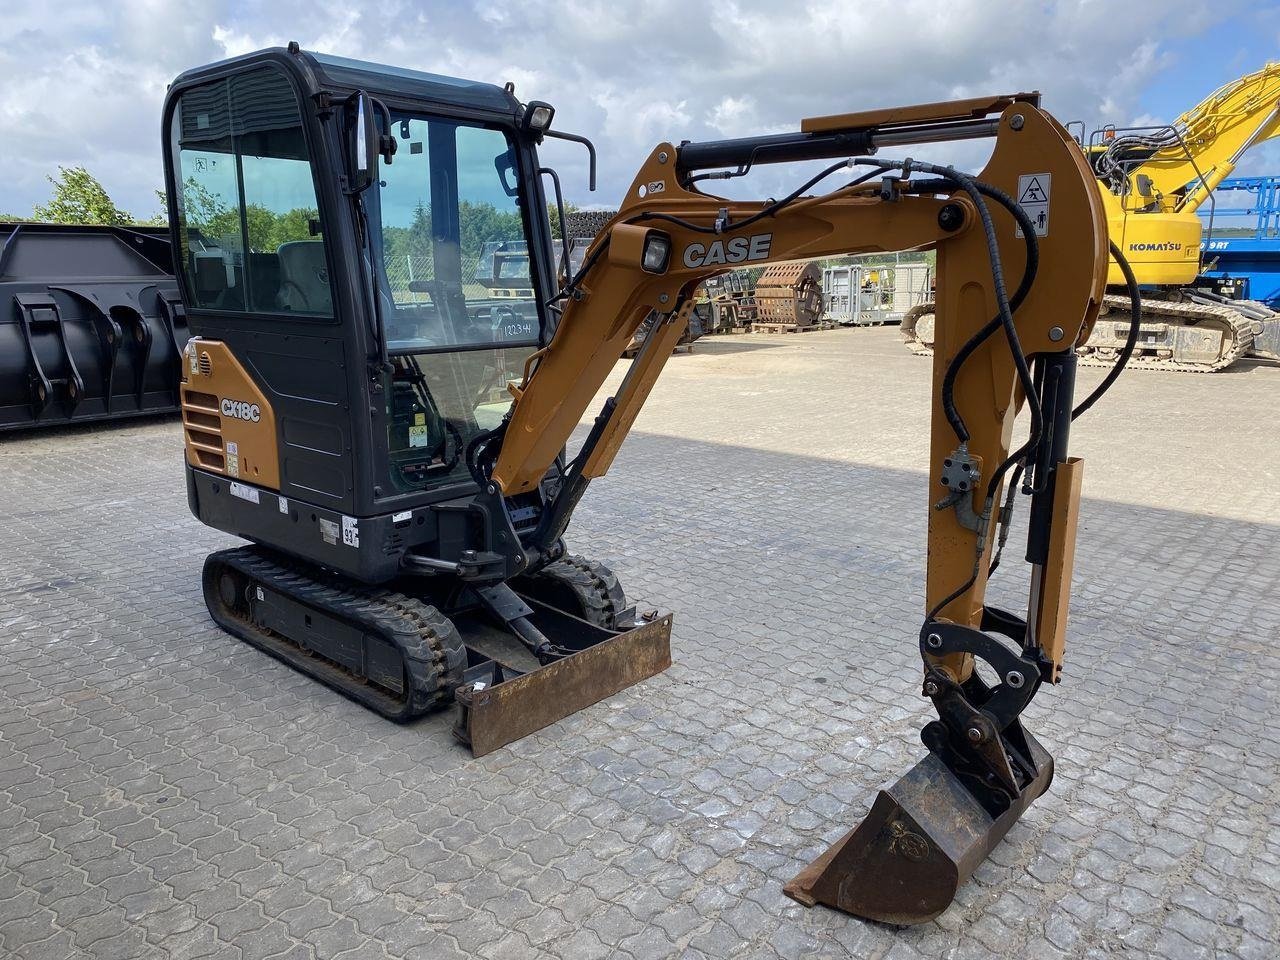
(1033,198)
(283,503)
(233,459)
(329,531)
(351,531)
(244,492)
(418,436)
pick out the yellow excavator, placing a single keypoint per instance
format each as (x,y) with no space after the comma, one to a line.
(1154,180)
(408,534)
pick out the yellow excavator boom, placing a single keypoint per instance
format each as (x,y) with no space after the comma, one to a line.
(1157,179)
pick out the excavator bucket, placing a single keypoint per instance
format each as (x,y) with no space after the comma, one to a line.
(924,836)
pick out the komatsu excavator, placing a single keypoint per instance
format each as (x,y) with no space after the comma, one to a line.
(408,534)
(1154,180)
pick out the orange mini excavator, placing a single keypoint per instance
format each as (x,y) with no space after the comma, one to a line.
(343,410)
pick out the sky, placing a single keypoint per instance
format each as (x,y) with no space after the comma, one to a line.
(83,80)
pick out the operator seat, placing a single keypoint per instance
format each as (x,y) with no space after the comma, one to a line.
(304,277)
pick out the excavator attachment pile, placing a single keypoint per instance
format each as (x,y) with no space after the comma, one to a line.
(917,328)
(729,303)
(91,326)
(788,298)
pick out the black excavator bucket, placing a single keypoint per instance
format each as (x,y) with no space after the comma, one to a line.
(924,837)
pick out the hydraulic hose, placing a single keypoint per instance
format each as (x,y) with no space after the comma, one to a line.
(1131,341)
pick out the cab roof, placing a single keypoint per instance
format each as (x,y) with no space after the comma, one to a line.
(415,84)
(322,70)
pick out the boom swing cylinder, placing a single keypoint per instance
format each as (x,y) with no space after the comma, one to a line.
(996,351)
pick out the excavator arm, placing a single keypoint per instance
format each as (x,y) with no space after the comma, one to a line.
(1015,296)
(1182,164)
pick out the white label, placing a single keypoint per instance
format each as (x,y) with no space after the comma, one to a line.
(283,503)
(351,531)
(233,448)
(261,595)
(418,436)
(1033,198)
(328,530)
(402,516)
(657,186)
(233,466)
(244,492)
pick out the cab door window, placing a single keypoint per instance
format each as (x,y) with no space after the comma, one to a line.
(247,211)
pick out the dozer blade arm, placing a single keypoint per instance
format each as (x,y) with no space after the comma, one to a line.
(667,238)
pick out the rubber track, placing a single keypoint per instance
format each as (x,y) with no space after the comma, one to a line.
(430,645)
(1237,326)
(595,585)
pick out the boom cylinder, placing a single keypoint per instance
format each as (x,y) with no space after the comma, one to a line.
(793,147)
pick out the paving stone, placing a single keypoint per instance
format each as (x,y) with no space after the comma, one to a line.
(166,791)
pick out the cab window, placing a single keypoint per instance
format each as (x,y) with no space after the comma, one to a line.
(247,210)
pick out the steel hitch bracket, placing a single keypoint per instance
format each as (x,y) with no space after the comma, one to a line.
(928,832)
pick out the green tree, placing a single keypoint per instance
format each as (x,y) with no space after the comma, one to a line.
(78,197)
(161,217)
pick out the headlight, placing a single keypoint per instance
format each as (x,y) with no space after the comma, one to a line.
(537,117)
(657,252)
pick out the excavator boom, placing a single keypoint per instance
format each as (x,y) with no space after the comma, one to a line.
(928,833)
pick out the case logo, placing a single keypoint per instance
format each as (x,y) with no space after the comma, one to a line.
(737,250)
(241,410)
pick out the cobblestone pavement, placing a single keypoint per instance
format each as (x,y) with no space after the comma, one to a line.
(167,791)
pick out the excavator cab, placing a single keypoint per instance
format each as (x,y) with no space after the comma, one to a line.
(334,221)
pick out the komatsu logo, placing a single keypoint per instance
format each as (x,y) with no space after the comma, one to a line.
(241,410)
(1168,245)
(737,250)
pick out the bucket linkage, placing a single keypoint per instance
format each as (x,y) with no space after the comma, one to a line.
(928,832)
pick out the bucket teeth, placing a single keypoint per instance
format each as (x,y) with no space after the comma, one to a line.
(924,836)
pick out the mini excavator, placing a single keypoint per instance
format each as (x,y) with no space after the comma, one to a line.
(342,407)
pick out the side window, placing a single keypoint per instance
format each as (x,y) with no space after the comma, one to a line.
(246,199)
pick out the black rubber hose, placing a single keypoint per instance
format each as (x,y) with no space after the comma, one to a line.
(756,217)
(1126,352)
(1131,341)
(980,337)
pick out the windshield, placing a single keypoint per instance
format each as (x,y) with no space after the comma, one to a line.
(459,306)
(454,249)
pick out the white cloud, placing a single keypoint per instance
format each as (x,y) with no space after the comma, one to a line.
(84,81)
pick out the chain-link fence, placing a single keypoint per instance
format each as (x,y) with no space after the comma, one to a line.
(406,269)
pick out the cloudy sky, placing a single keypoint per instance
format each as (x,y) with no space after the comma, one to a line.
(83,80)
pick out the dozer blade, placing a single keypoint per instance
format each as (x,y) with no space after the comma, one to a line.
(498,705)
(924,837)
